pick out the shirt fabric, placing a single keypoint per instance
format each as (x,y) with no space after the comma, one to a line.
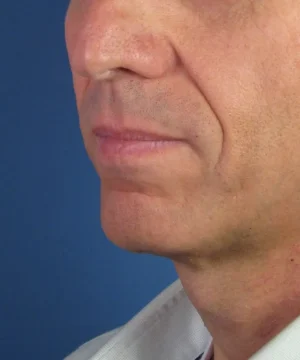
(170,328)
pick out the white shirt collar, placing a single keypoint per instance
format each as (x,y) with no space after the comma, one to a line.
(284,346)
(170,328)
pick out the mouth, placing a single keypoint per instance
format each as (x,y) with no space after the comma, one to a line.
(130,144)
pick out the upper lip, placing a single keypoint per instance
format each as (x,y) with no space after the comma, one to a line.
(130,134)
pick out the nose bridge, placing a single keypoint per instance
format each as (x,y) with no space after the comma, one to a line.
(108,38)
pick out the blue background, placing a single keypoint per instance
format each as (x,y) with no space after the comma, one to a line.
(62,282)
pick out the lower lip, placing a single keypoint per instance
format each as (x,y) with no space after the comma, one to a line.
(116,148)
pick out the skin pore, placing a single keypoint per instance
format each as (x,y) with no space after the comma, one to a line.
(222,77)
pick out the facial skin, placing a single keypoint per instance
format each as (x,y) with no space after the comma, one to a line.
(223,76)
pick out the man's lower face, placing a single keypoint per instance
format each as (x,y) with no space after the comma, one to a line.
(170,203)
(203,146)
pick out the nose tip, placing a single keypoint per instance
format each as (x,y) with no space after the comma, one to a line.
(107,41)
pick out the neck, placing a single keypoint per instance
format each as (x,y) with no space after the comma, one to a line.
(244,303)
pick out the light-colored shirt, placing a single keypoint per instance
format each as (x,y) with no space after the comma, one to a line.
(170,328)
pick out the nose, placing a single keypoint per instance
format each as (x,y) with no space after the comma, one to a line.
(106,36)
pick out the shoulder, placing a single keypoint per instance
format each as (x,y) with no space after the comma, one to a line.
(88,349)
(168,327)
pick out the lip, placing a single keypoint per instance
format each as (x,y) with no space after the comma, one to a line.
(113,145)
(130,134)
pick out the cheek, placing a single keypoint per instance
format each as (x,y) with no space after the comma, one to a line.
(80,85)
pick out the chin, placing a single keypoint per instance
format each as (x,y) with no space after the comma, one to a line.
(134,231)
(143,224)
(176,230)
